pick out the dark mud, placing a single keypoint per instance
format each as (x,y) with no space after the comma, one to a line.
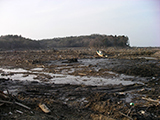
(71,101)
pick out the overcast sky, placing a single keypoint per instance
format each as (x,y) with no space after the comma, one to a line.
(39,19)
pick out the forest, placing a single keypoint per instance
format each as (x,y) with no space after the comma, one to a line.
(17,42)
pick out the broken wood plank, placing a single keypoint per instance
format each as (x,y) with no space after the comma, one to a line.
(44,108)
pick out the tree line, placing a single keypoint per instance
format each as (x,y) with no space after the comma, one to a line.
(10,42)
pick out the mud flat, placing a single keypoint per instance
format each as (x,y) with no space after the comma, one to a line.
(77,84)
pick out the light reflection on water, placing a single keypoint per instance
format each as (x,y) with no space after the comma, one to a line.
(32,75)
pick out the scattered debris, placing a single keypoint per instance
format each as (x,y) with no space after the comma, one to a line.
(10,99)
(131,104)
(66,101)
(101,53)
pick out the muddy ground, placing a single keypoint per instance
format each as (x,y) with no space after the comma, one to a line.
(139,100)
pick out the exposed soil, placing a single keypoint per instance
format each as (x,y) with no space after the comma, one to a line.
(140,100)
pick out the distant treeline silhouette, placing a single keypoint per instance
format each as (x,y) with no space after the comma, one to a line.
(11,42)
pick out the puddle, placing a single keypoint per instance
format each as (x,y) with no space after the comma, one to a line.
(13,70)
(37,69)
(17,76)
(20,74)
(63,77)
(148,58)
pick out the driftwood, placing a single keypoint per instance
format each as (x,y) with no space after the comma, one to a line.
(3,101)
(22,105)
(17,103)
(151,100)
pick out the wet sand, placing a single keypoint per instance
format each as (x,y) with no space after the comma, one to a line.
(78,84)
